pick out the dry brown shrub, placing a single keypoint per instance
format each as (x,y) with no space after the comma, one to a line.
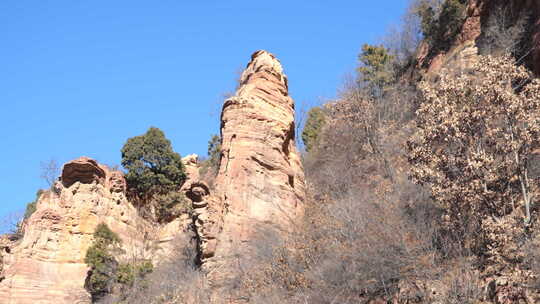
(352,250)
(462,284)
(476,134)
(367,230)
(175,280)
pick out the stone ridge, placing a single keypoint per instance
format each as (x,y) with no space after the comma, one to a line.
(260,184)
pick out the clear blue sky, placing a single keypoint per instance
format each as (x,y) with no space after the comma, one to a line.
(80,77)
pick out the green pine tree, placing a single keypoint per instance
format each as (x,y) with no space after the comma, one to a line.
(375,70)
(153,166)
(312,129)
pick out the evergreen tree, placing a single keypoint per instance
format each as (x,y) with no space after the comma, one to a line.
(102,263)
(313,127)
(214,150)
(153,166)
(375,71)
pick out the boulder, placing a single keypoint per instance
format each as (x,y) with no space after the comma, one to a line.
(84,170)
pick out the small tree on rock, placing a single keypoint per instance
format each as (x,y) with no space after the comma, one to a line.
(312,129)
(214,151)
(101,261)
(441,21)
(153,166)
(50,171)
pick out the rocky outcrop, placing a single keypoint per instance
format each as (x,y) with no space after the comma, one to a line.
(259,191)
(260,185)
(465,45)
(83,170)
(47,265)
(191,163)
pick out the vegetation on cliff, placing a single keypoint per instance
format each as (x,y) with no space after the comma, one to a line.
(375,69)
(475,138)
(418,191)
(441,21)
(152,165)
(209,167)
(155,174)
(313,127)
(107,274)
(102,262)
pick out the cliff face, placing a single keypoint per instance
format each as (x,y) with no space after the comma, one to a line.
(47,265)
(260,184)
(259,191)
(465,45)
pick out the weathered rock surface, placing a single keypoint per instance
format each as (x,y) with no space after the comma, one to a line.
(47,265)
(259,191)
(465,44)
(84,170)
(191,163)
(260,186)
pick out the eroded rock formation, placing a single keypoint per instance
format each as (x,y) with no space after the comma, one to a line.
(83,170)
(259,191)
(47,265)
(260,184)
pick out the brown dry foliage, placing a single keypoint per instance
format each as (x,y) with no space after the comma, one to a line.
(475,139)
(368,233)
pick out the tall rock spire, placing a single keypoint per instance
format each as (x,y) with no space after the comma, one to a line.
(260,186)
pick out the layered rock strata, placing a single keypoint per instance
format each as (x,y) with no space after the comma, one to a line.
(260,188)
(47,264)
(259,192)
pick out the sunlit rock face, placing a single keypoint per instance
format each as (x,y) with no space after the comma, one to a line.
(259,191)
(260,186)
(47,265)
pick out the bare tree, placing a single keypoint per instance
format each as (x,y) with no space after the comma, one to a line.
(11,224)
(503,33)
(403,39)
(50,170)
